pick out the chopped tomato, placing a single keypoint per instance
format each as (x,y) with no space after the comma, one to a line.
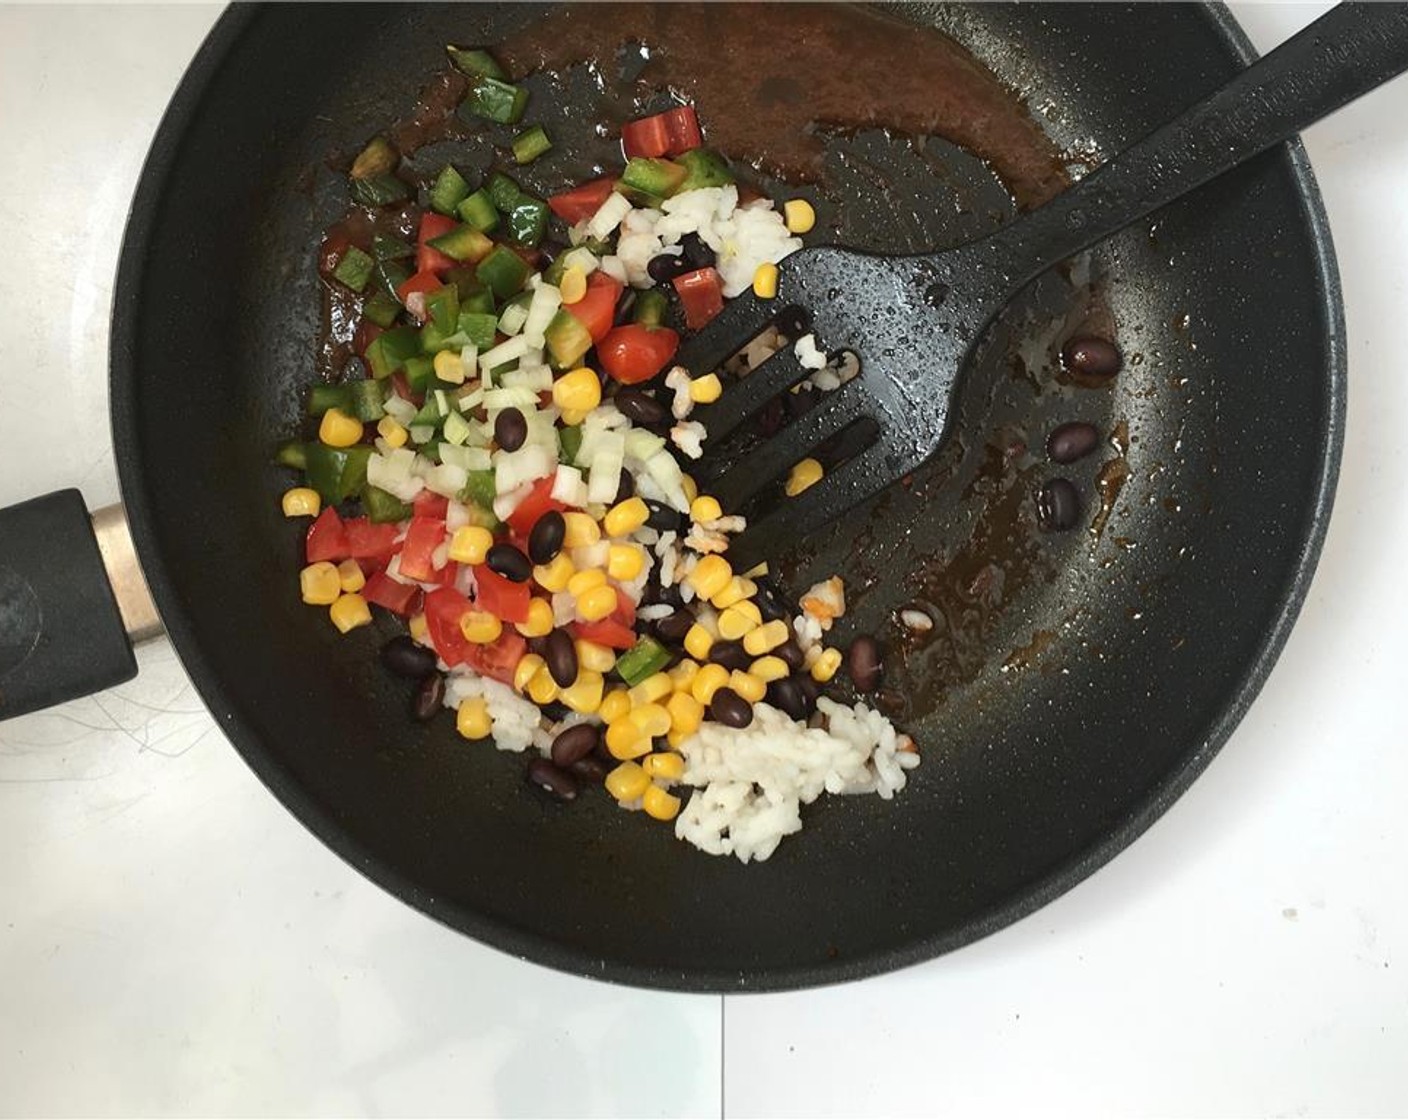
(428,258)
(701,295)
(445,577)
(366,334)
(424,536)
(412,292)
(369,541)
(635,353)
(580,203)
(430,504)
(605,632)
(444,607)
(597,309)
(499,658)
(648,137)
(500,596)
(398,598)
(682,128)
(327,537)
(537,503)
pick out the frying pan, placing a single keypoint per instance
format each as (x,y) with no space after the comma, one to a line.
(1074,685)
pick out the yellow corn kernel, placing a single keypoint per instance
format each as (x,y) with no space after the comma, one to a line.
(594,657)
(806,473)
(540,619)
(686,713)
(751,688)
(587,579)
(655,687)
(710,575)
(758,569)
(706,389)
(554,575)
(301,502)
(574,416)
(350,612)
(825,666)
(649,720)
(660,804)
(337,429)
(708,681)
(698,642)
(579,530)
(705,508)
(765,281)
(799,215)
(320,584)
(769,668)
(733,624)
(624,518)
(481,627)
(766,638)
(350,577)
(471,544)
(615,705)
(542,689)
(689,486)
(584,694)
(625,741)
(449,367)
(577,391)
(472,720)
(734,591)
(389,429)
(596,603)
(665,765)
(573,286)
(675,738)
(750,609)
(627,782)
(682,675)
(624,562)
(528,667)
(419,628)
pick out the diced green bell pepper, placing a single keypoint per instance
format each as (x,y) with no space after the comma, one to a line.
(292,453)
(657,177)
(387,247)
(379,190)
(354,269)
(377,158)
(449,191)
(567,339)
(529,144)
(703,169)
(420,372)
(528,221)
(480,489)
(390,350)
(323,397)
(475,62)
(442,308)
(495,100)
(503,192)
(463,243)
(433,339)
(381,507)
(366,400)
(478,212)
(650,308)
(481,302)
(337,473)
(569,442)
(381,309)
(479,327)
(390,275)
(503,272)
(643,659)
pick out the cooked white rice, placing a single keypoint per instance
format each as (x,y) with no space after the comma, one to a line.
(517,721)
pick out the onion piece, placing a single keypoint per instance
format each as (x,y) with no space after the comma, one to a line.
(608,216)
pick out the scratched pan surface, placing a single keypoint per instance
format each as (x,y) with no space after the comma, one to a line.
(1073,684)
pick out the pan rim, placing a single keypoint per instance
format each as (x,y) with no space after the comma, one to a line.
(529,946)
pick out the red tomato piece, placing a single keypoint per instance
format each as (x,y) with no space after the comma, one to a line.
(605,632)
(701,295)
(580,203)
(537,503)
(430,504)
(327,538)
(500,596)
(682,130)
(597,309)
(412,292)
(499,658)
(398,598)
(444,607)
(424,536)
(635,353)
(368,541)
(428,258)
(648,137)
(625,612)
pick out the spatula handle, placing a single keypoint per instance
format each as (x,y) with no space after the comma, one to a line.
(1346,53)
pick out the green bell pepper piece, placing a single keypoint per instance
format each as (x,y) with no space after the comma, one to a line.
(502,272)
(528,221)
(479,328)
(337,473)
(495,100)
(381,507)
(449,191)
(378,190)
(442,308)
(644,658)
(475,62)
(381,309)
(529,144)
(354,269)
(389,351)
(478,211)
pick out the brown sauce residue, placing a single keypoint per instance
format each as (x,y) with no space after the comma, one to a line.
(1110,479)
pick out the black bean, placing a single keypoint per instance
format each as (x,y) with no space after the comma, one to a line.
(771,417)
(696,253)
(406,659)
(786,696)
(561,656)
(791,653)
(731,655)
(811,691)
(1058,505)
(793,322)
(672,628)
(770,604)
(864,663)
(1072,441)
(548,252)
(665,519)
(667,266)
(1092,357)
(576,742)
(429,697)
(546,776)
(591,769)
(510,429)
(509,562)
(730,709)
(555,711)
(639,407)
(625,489)
(545,540)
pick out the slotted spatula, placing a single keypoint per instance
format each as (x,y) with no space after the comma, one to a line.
(913,321)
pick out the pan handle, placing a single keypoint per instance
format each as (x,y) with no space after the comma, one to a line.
(72,602)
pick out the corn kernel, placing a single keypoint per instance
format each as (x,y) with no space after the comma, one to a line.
(625,518)
(472,720)
(419,628)
(799,215)
(749,608)
(350,612)
(624,740)
(682,675)
(574,416)
(734,591)
(705,508)
(588,579)
(708,681)
(655,687)
(449,366)
(540,619)
(579,390)
(806,473)
(649,720)
(471,544)
(350,577)
(594,656)
(706,389)
(320,584)
(698,642)
(733,624)
(389,429)
(765,281)
(627,782)
(825,666)
(481,627)
(573,286)
(596,603)
(337,429)
(686,713)
(710,575)
(660,804)
(769,668)
(675,738)
(689,486)
(301,502)
(584,694)
(665,765)
(542,689)
(579,530)
(766,638)
(615,705)
(624,562)
(554,575)
(751,688)
(529,665)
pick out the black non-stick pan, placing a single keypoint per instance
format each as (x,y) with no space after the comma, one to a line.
(1072,685)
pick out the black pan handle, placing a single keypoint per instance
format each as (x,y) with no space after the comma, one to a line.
(1344,54)
(72,602)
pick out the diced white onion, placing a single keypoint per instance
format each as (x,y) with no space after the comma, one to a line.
(536,376)
(422,433)
(608,456)
(507,502)
(604,222)
(469,355)
(507,351)
(400,409)
(666,472)
(615,268)
(642,445)
(497,399)
(447,479)
(457,430)
(456,516)
(529,463)
(467,458)
(546,300)
(395,473)
(569,487)
(580,257)
(512,320)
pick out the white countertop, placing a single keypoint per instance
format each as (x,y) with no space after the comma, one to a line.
(173,942)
